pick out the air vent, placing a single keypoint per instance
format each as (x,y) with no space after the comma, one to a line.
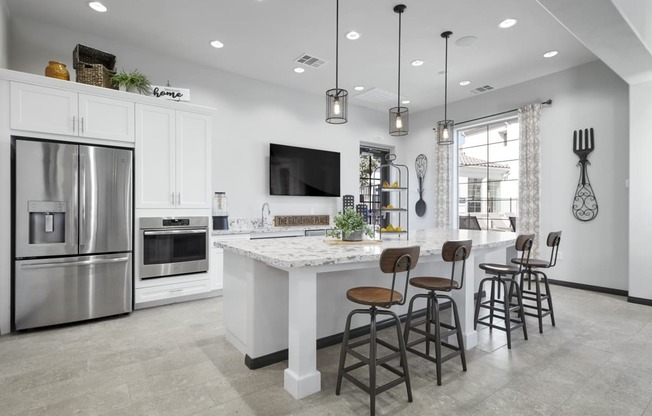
(310,61)
(376,95)
(482,89)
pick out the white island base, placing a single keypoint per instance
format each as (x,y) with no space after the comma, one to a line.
(284,294)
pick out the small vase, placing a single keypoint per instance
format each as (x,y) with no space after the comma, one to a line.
(57,70)
(354,236)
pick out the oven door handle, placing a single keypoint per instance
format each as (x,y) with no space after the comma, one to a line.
(167,232)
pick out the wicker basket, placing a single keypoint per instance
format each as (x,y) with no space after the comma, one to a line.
(93,67)
(96,75)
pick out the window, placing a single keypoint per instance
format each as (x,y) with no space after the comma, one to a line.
(370,159)
(488,172)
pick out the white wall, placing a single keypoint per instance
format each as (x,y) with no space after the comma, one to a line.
(4,35)
(250,115)
(595,252)
(640,197)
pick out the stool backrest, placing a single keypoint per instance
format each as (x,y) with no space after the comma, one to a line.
(554,238)
(524,245)
(399,260)
(456,251)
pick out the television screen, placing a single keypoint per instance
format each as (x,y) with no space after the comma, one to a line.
(298,171)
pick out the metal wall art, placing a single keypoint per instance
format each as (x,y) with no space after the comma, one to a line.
(585,206)
(421,164)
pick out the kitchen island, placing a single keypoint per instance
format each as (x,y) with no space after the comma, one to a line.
(286,293)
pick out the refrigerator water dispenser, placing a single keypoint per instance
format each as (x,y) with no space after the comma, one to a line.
(47,221)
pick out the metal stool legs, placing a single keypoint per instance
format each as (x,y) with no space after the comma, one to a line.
(501,308)
(435,335)
(537,296)
(373,360)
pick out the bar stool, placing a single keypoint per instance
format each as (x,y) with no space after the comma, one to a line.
(505,305)
(452,252)
(392,260)
(536,296)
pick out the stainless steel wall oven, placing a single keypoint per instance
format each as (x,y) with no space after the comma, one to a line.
(172,246)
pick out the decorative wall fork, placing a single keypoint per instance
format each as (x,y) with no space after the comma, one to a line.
(585,206)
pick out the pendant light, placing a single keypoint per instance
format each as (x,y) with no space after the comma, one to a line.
(336,98)
(399,116)
(444,128)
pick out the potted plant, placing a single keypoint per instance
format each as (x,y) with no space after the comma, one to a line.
(350,226)
(133,81)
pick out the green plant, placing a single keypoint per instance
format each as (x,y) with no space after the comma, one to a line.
(132,80)
(348,222)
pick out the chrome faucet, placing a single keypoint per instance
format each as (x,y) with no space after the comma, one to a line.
(263,221)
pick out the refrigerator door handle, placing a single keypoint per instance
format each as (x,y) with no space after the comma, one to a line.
(82,200)
(74,201)
(73,263)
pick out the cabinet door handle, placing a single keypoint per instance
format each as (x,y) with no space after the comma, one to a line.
(178,198)
(74,121)
(172,198)
(82,125)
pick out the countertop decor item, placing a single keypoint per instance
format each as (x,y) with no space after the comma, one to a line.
(421,165)
(444,129)
(57,70)
(585,206)
(350,226)
(133,81)
(336,98)
(399,116)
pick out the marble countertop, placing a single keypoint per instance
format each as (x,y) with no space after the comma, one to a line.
(316,251)
(267,229)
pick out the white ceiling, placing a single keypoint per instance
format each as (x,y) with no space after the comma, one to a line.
(262,38)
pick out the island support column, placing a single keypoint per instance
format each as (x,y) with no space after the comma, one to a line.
(301,378)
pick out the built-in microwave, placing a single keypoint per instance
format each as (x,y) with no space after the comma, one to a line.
(172,246)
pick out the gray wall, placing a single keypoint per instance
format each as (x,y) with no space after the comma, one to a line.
(590,95)
(4,35)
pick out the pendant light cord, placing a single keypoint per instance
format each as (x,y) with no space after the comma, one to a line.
(398,101)
(446,83)
(337,45)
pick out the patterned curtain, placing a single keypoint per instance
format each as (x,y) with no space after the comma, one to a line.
(443,174)
(529,189)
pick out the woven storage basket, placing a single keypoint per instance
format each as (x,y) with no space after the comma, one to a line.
(96,75)
(93,67)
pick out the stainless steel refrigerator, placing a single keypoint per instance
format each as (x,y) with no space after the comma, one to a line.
(73,232)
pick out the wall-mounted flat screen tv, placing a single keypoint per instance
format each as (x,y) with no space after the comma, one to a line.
(298,171)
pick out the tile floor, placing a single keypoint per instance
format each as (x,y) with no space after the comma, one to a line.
(175,360)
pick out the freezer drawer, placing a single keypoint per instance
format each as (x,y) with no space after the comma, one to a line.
(56,291)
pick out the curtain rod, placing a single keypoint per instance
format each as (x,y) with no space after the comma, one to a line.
(547,102)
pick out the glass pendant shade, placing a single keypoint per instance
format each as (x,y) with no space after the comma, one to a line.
(337,105)
(399,121)
(444,132)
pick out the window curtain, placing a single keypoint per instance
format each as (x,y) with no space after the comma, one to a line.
(529,184)
(443,174)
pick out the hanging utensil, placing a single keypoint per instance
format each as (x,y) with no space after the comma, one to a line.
(585,206)
(420,165)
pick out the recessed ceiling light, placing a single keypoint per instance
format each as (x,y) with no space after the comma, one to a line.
(217,44)
(405,102)
(353,35)
(299,70)
(550,54)
(417,62)
(97,6)
(465,41)
(507,23)
(358,88)
(463,83)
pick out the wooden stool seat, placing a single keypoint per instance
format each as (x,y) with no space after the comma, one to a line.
(434,283)
(533,263)
(374,296)
(501,269)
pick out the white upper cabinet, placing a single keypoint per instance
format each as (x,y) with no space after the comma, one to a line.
(57,111)
(172,158)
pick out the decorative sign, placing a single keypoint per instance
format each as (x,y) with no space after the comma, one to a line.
(171,93)
(299,220)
